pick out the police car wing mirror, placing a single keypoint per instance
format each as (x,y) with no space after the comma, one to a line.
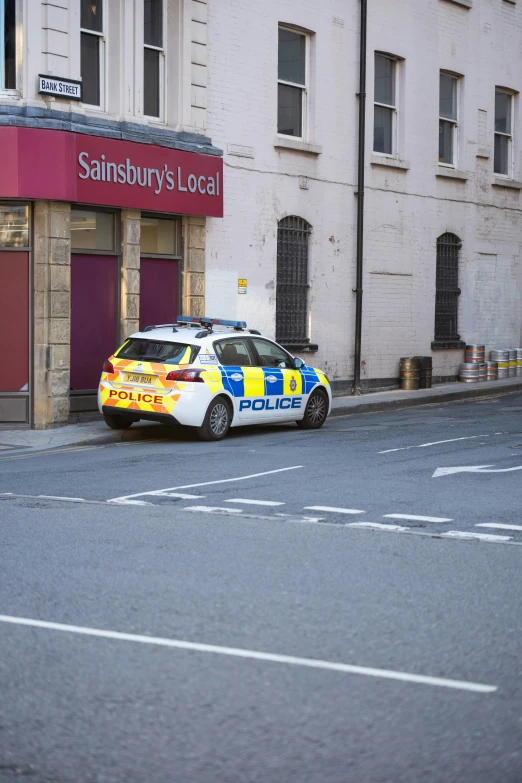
(298,363)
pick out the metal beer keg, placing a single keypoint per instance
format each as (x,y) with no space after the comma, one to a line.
(409,373)
(469,372)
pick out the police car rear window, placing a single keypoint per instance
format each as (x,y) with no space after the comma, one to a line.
(138,349)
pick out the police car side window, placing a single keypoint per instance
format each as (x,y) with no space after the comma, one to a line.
(233,353)
(270,355)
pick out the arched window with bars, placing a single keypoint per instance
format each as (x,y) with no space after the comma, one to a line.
(293,235)
(447,289)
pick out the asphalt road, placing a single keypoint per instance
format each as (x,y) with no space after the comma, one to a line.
(300,632)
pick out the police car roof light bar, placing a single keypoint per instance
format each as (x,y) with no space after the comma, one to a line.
(208,322)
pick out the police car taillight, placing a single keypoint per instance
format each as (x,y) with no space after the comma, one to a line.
(187,376)
(107,366)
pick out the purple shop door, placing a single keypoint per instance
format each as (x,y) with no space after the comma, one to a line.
(159,286)
(94,289)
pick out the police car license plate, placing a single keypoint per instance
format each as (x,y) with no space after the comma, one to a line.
(148,380)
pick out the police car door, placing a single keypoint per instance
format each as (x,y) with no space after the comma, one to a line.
(284,397)
(241,377)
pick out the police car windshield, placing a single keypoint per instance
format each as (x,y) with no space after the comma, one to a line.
(138,349)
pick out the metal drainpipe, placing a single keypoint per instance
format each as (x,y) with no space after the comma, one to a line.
(358,290)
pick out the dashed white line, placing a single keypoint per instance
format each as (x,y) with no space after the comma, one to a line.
(415,518)
(214,509)
(125,498)
(179,495)
(378,526)
(500,526)
(476,536)
(292,660)
(434,443)
(334,509)
(255,502)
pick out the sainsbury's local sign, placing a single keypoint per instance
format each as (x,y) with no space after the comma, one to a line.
(146,177)
(65,166)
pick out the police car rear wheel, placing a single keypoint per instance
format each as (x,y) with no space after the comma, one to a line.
(217,421)
(117,422)
(316,411)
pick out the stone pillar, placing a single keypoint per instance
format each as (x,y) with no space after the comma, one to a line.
(130,272)
(193,296)
(52,313)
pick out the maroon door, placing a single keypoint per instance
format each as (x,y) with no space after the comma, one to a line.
(14,321)
(94,296)
(159,286)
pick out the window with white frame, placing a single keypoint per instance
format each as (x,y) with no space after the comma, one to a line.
(92,51)
(448,118)
(292,91)
(153,58)
(7,44)
(385,105)
(503,159)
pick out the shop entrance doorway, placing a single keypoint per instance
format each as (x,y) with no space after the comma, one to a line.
(94,289)
(159,291)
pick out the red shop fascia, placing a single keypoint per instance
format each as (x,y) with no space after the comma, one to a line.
(73,167)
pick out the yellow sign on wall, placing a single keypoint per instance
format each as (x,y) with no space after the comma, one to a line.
(242,285)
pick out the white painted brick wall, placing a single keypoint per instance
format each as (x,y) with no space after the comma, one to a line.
(405,210)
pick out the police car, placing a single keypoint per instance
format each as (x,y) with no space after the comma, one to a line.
(211,374)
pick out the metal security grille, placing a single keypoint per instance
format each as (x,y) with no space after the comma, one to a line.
(292,280)
(447,288)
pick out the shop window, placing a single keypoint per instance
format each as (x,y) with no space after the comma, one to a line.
(7,44)
(14,225)
(292,281)
(447,289)
(91,230)
(153,57)
(160,236)
(92,51)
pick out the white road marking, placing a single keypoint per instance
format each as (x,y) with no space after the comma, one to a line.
(435,443)
(477,536)
(294,518)
(235,652)
(213,509)
(473,469)
(378,526)
(180,495)
(334,509)
(256,502)
(415,518)
(52,497)
(124,498)
(499,526)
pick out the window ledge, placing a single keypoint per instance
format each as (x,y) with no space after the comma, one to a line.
(465,3)
(391,163)
(301,347)
(499,182)
(287,143)
(448,173)
(438,345)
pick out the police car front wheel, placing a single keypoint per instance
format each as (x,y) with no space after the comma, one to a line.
(217,420)
(316,411)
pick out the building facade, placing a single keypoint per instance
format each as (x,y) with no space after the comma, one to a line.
(442,232)
(168,156)
(107,182)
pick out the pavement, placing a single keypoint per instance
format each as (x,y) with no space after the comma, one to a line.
(283,606)
(95,432)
